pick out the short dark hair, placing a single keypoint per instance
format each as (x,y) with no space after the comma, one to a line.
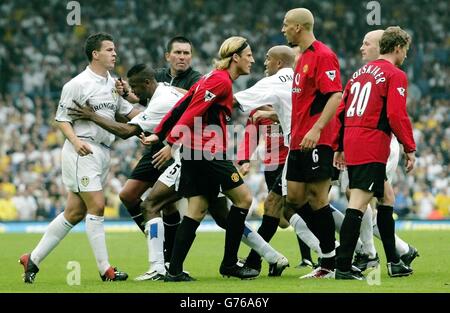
(392,37)
(180,39)
(142,71)
(94,42)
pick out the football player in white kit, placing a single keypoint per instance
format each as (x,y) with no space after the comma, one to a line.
(160,99)
(85,158)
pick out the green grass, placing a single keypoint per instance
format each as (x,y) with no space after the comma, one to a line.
(128,251)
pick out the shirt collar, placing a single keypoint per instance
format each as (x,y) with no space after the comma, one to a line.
(96,77)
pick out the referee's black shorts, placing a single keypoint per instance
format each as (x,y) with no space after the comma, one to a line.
(369,177)
(207,177)
(310,166)
(144,170)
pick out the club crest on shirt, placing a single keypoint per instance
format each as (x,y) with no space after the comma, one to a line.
(209,96)
(401,91)
(331,74)
(85,181)
(305,68)
(235,177)
(114,94)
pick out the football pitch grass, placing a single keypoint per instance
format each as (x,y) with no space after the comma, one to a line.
(128,252)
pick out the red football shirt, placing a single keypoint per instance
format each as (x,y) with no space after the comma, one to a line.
(275,150)
(199,119)
(373,106)
(316,77)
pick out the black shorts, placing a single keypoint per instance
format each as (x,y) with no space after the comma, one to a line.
(273,179)
(144,170)
(310,166)
(207,178)
(369,177)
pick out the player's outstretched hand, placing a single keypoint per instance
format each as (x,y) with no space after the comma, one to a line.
(148,140)
(81,112)
(162,156)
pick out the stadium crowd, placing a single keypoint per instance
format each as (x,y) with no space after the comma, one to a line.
(39,52)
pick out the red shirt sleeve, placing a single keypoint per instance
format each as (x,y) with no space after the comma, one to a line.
(338,141)
(396,111)
(211,91)
(328,75)
(250,141)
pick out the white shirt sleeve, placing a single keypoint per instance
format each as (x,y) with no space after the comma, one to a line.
(145,121)
(256,96)
(70,92)
(125,107)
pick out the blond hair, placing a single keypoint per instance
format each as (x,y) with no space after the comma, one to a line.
(228,48)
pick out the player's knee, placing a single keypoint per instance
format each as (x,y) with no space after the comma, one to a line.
(169,209)
(150,209)
(74,217)
(244,201)
(272,205)
(289,210)
(125,197)
(388,197)
(197,215)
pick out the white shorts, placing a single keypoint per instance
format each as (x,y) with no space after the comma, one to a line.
(171,176)
(85,173)
(392,162)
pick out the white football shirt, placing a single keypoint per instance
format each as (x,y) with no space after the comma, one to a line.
(162,101)
(275,90)
(102,96)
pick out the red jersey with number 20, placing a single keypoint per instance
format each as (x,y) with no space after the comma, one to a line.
(373,106)
(316,77)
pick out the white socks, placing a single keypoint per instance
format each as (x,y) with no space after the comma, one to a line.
(154,229)
(254,240)
(95,231)
(55,232)
(305,234)
(366,233)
